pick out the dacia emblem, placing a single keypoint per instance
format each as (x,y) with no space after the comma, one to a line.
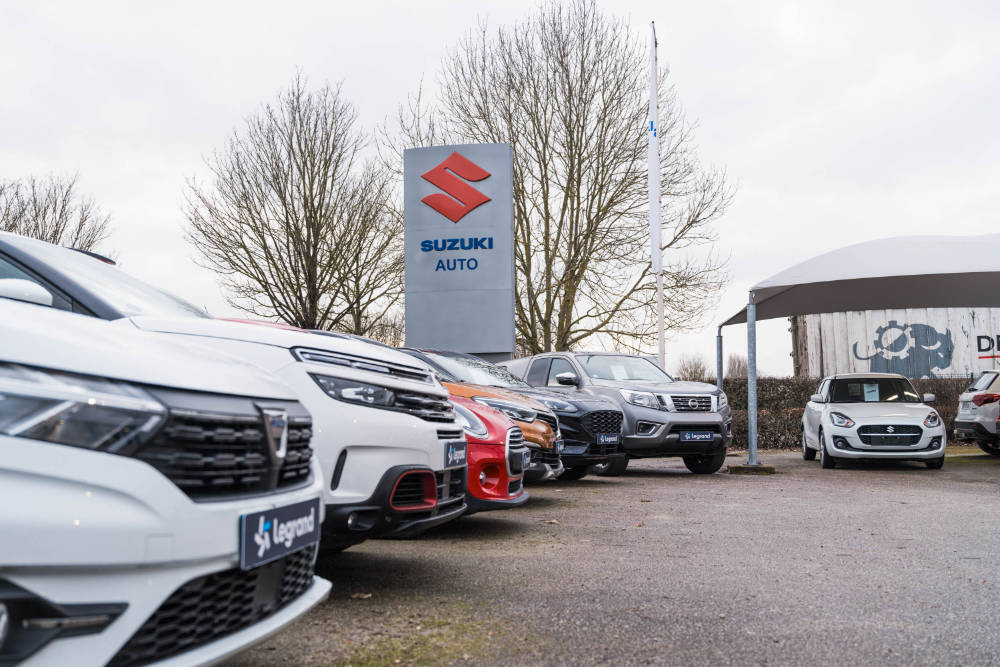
(276,432)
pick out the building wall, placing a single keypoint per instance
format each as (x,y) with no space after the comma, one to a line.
(917,342)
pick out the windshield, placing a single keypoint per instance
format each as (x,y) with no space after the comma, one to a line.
(622,367)
(984,382)
(124,293)
(873,390)
(474,371)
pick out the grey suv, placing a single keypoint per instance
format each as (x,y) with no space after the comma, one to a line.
(663,416)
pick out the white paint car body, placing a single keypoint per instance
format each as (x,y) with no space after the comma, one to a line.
(885,419)
(85,527)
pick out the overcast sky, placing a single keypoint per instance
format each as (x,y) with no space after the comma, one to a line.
(839,121)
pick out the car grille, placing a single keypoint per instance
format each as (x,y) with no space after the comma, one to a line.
(411,491)
(450,486)
(363,363)
(687,403)
(515,451)
(549,419)
(212,455)
(547,456)
(514,487)
(429,408)
(219,604)
(602,421)
(880,435)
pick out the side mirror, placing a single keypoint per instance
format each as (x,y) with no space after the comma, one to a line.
(929,398)
(569,379)
(818,398)
(19,289)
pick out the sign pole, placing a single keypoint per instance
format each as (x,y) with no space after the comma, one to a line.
(654,196)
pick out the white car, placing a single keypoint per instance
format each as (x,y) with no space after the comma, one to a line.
(872,416)
(384,431)
(157,504)
(979,412)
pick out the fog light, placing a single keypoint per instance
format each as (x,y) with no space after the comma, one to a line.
(646,428)
(482,476)
(4,623)
(841,443)
(352,520)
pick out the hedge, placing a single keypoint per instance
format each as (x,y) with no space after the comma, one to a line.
(780,402)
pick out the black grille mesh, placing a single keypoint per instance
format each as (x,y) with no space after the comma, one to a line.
(547,456)
(603,421)
(550,420)
(213,455)
(900,435)
(216,605)
(409,491)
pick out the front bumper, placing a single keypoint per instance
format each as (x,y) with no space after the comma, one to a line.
(546,464)
(845,443)
(664,439)
(375,517)
(110,530)
(481,505)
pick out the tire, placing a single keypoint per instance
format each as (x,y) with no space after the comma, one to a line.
(705,465)
(935,464)
(991,448)
(808,453)
(612,468)
(825,460)
(574,473)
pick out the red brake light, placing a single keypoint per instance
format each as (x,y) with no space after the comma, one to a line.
(983,399)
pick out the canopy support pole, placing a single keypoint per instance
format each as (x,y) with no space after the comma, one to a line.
(718,359)
(752,381)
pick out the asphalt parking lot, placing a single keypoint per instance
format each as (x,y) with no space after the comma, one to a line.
(870,563)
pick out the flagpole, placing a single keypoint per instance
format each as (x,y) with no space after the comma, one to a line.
(654,196)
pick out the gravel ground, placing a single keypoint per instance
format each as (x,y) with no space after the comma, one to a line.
(871,563)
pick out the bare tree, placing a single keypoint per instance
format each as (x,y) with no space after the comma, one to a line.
(566,88)
(736,366)
(51,209)
(692,367)
(298,227)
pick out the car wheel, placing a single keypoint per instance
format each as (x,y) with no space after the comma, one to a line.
(808,453)
(613,468)
(935,464)
(825,460)
(574,473)
(990,448)
(705,465)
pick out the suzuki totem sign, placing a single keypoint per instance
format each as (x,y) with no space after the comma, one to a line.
(459,248)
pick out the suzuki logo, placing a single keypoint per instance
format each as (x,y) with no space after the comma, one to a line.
(890,429)
(460,198)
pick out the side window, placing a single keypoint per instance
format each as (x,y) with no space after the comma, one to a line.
(823,386)
(8,269)
(559,365)
(538,372)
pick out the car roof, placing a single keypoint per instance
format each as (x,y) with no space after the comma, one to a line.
(861,376)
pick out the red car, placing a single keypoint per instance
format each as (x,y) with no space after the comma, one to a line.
(497,457)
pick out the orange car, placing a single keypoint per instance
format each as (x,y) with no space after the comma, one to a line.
(537,422)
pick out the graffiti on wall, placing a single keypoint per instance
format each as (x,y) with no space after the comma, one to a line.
(913,350)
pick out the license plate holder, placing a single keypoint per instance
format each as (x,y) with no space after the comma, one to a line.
(455,452)
(608,438)
(697,436)
(270,534)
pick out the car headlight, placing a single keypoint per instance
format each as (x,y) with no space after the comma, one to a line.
(512,410)
(76,410)
(353,391)
(472,424)
(558,405)
(932,420)
(723,401)
(641,398)
(841,420)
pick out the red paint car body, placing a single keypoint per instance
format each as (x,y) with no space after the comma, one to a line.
(497,458)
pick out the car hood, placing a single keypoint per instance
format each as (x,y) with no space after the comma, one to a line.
(583,402)
(58,340)
(678,387)
(469,390)
(248,332)
(915,412)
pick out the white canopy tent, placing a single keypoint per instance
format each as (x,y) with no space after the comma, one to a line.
(901,272)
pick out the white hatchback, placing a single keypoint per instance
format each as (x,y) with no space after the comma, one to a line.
(872,416)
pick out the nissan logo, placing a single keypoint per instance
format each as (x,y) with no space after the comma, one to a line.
(693,403)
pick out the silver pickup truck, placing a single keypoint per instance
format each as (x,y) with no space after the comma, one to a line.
(663,417)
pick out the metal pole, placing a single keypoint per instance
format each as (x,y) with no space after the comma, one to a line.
(718,359)
(752,381)
(653,167)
